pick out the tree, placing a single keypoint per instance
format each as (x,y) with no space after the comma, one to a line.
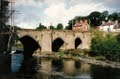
(114,16)
(70,24)
(72,21)
(78,18)
(95,18)
(67,28)
(59,26)
(41,27)
(106,46)
(104,15)
(52,27)
(17,28)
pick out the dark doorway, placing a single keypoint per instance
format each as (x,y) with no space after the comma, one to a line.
(30,45)
(77,42)
(56,44)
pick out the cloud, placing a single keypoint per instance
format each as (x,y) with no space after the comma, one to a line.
(34,3)
(58,11)
(27,21)
(113,5)
(30,12)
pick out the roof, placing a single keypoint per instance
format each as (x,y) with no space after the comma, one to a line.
(117,26)
(107,24)
(78,24)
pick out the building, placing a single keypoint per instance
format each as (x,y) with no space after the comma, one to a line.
(81,25)
(110,26)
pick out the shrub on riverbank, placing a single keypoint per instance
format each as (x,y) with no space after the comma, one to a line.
(77,52)
(107,46)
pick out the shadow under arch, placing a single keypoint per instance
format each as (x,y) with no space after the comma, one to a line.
(57,64)
(30,45)
(78,41)
(56,44)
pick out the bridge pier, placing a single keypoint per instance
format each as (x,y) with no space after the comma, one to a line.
(86,40)
(46,44)
(70,43)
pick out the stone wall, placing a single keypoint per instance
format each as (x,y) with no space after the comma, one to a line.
(46,37)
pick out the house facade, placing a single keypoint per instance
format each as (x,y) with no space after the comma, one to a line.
(81,25)
(110,26)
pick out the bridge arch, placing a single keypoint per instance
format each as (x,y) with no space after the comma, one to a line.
(23,35)
(78,42)
(57,44)
(29,44)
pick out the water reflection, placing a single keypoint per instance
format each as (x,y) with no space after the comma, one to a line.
(82,69)
(77,64)
(45,68)
(16,62)
(57,65)
(28,66)
(69,67)
(99,72)
(27,69)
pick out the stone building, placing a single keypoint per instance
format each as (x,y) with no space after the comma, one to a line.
(81,25)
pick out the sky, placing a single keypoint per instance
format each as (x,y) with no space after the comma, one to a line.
(32,12)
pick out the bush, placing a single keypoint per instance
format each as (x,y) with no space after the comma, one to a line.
(107,46)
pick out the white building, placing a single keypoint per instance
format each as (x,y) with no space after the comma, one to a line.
(110,26)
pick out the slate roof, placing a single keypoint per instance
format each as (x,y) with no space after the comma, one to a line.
(117,26)
(107,24)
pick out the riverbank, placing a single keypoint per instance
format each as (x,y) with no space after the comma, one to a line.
(86,59)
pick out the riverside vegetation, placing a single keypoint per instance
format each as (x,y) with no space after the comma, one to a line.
(105,46)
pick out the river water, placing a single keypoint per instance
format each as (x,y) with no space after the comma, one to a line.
(46,68)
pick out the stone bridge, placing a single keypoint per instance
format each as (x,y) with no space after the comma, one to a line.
(54,40)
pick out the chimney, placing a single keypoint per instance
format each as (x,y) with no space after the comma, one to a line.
(85,21)
(116,21)
(81,21)
(77,22)
(103,22)
(109,21)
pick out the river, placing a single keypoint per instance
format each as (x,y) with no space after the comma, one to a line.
(46,68)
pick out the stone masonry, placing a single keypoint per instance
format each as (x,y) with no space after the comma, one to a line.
(46,37)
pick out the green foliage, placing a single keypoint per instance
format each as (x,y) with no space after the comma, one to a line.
(72,21)
(78,18)
(70,24)
(118,38)
(17,28)
(4,27)
(61,53)
(107,46)
(114,16)
(95,18)
(104,15)
(67,28)
(59,26)
(52,27)
(41,27)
